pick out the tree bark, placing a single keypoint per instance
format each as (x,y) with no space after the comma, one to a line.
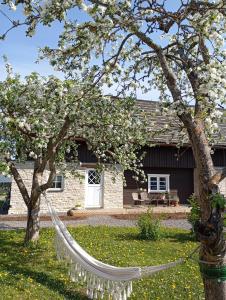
(212,256)
(210,229)
(33,222)
(214,290)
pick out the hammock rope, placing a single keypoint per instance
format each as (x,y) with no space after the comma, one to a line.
(101,279)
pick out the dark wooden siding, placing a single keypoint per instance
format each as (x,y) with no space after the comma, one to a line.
(162,157)
(85,155)
(180,180)
(168,157)
(171,157)
(219,157)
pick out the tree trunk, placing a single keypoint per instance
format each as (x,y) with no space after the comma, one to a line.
(212,254)
(211,237)
(33,222)
(214,290)
(210,229)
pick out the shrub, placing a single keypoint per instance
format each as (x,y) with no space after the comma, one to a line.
(149,227)
(195,213)
(218,201)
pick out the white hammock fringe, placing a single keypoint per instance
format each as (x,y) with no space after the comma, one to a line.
(101,279)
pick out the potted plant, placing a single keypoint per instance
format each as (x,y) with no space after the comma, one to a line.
(74,209)
(174,200)
(78,206)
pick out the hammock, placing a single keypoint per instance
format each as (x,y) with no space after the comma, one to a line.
(101,279)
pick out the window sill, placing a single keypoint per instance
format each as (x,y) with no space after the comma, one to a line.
(163,192)
(54,190)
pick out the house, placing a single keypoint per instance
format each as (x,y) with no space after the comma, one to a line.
(168,168)
(165,166)
(90,190)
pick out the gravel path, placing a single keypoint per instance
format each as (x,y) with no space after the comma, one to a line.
(181,223)
(95,221)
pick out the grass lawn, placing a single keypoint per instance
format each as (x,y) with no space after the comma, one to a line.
(36,274)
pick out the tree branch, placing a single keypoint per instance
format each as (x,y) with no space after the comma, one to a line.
(204,50)
(217,178)
(51,177)
(115,57)
(19,181)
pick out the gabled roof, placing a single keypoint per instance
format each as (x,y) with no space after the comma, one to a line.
(170,135)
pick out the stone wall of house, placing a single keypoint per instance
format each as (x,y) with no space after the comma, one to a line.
(222,183)
(72,194)
(112,191)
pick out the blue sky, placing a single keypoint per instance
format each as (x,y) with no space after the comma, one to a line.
(22,51)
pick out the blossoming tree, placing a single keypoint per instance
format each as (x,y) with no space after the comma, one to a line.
(176,46)
(42,119)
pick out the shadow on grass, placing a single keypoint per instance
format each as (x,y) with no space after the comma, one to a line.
(49,282)
(128,237)
(19,263)
(181,237)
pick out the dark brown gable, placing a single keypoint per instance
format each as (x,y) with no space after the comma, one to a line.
(168,157)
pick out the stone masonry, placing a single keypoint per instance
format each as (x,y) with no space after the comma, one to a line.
(72,194)
(112,191)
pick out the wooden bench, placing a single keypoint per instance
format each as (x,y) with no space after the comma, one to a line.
(172,197)
(148,198)
(168,198)
(157,198)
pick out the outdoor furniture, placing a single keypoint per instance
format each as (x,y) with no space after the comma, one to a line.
(144,197)
(172,198)
(168,198)
(149,198)
(157,197)
(137,199)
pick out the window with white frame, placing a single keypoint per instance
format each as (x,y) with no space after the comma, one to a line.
(58,183)
(158,183)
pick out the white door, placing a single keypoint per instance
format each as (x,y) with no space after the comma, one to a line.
(93,189)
